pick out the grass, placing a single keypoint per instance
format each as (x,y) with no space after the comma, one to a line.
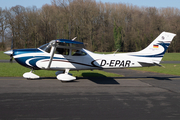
(171,69)
(16,70)
(171,57)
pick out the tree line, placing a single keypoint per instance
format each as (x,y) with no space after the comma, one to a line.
(101,26)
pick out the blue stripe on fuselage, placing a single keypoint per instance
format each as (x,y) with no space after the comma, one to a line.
(24,51)
(164,45)
(32,60)
(22,60)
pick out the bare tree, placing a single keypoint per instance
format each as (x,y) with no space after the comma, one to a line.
(93,23)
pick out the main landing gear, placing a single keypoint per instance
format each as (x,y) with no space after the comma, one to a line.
(60,75)
(64,75)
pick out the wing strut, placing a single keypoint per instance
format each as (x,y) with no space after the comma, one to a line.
(53,48)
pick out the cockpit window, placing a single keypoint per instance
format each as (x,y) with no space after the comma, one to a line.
(46,47)
(78,53)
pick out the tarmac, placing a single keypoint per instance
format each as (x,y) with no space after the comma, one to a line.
(136,96)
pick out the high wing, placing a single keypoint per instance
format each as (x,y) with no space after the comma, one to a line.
(69,44)
(68,41)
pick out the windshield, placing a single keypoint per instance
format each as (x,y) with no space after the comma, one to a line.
(45,47)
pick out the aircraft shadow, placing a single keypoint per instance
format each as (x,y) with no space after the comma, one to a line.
(98,78)
(157,78)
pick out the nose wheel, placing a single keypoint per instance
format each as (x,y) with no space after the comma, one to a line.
(30,75)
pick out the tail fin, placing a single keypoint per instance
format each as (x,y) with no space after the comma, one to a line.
(160,44)
(156,50)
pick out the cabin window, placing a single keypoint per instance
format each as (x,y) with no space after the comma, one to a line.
(62,51)
(77,52)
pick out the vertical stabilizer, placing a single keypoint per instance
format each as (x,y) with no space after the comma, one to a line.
(156,50)
(160,44)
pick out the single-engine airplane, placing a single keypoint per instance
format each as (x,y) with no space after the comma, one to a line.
(63,55)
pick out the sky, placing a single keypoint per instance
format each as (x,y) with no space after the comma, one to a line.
(139,3)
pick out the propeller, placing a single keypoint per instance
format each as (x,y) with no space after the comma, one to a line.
(10,52)
(11,57)
(12,43)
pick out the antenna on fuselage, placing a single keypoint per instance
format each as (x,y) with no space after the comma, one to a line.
(116,51)
(74,38)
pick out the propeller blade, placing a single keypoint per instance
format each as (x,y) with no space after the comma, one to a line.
(11,58)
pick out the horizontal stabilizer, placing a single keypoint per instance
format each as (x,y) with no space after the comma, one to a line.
(157,64)
(145,64)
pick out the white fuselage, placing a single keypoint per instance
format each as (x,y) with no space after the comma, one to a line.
(88,61)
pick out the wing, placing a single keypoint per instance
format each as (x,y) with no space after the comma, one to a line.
(69,44)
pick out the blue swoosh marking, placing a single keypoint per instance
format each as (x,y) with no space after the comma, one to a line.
(164,45)
(25,51)
(22,61)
